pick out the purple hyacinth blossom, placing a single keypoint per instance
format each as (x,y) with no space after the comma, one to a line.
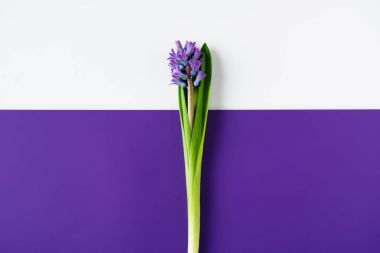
(185,63)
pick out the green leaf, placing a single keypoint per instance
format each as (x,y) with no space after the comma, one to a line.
(196,150)
(186,132)
(207,68)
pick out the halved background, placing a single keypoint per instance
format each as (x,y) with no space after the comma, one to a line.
(104,172)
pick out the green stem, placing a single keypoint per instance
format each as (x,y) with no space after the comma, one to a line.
(193,187)
(193,208)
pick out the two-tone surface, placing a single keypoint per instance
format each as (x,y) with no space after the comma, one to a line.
(113,181)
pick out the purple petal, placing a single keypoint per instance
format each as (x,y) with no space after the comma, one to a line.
(180,83)
(189,49)
(197,54)
(195,64)
(199,77)
(179,45)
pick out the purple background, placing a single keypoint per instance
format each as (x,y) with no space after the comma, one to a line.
(113,181)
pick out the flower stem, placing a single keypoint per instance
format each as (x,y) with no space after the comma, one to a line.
(190,101)
(193,209)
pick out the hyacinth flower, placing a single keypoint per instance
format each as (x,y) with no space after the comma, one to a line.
(191,71)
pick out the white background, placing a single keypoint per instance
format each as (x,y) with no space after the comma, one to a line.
(268,54)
